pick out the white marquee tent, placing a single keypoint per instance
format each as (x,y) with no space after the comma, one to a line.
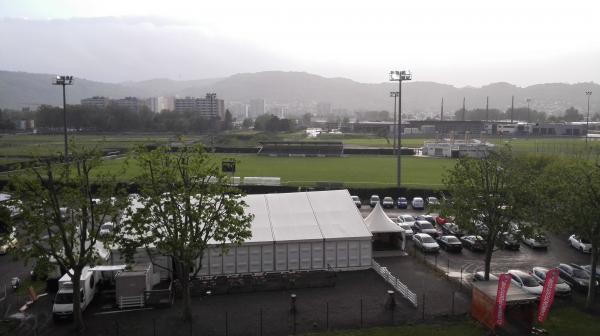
(297,231)
(378,222)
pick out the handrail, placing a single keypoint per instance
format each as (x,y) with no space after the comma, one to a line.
(397,284)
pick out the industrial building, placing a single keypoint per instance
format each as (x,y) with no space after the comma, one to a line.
(208,107)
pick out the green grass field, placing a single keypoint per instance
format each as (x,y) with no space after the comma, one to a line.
(356,170)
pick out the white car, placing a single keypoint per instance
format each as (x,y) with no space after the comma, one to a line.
(426,243)
(374,200)
(526,282)
(408,229)
(581,244)
(106,229)
(388,202)
(356,201)
(409,219)
(418,203)
(539,273)
(536,241)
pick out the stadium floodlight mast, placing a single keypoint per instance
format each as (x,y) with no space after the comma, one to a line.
(528,100)
(399,76)
(64,81)
(587,124)
(394,94)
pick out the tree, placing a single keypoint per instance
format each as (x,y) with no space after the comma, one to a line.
(570,201)
(488,195)
(228,122)
(63,204)
(572,114)
(188,203)
(247,123)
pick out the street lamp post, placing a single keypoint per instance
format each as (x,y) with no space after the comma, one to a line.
(587,124)
(64,81)
(395,94)
(399,76)
(528,110)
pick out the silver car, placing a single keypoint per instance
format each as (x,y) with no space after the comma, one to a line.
(539,273)
(426,243)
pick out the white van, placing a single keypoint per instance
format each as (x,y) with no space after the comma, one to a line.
(418,203)
(63,301)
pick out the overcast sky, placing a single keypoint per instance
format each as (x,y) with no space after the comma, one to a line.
(455,42)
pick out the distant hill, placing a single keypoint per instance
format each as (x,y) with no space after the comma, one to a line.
(20,89)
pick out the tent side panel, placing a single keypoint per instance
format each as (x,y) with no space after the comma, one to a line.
(241,259)
(255,252)
(330,254)
(305,256)
(229,261)
(293,256)
(267,258)
(353,253)
(317,255)
(216,261)
(281,257)
(365,253)
(342,253)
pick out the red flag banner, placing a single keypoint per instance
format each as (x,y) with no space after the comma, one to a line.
(547,297)
(500,306)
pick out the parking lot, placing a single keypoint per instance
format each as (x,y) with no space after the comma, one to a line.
(466,262)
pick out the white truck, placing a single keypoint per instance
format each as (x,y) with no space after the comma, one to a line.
(63,301)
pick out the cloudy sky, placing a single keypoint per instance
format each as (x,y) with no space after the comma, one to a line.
(458,42)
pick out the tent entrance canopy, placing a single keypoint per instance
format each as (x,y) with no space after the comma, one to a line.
(379,222)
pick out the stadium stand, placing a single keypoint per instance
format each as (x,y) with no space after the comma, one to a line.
(302,148)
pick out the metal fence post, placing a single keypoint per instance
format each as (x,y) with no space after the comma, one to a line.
(361,313)
(260,316)
(226,323)
(453,295)
(327,315)
(423,311)
(448,273)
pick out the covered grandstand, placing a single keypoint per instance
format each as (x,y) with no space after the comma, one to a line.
(302,148)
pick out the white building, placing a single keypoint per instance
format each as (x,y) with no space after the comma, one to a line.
(209,107)
(457,148)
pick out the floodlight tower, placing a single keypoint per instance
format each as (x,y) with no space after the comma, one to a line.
(399,76)
(64,81)
(587,124)
(395,94)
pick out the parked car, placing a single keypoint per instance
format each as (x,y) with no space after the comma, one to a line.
(576,276)
(481,229)
(441,220)
(425,243)
(407,219)
(408,229)
(388,202)
(425,227)
(536,241)
(428,218)
(452,229)
(432,201)
(357,201)
(480,276)
(106,229)
(508,241)
(473,243)
(10,242)
(450,243)
(402,203)
(583,245)
(526,282)
(374,200)
(417,203)
(539,274)
(588,268)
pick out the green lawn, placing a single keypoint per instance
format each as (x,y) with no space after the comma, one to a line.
(359,170)
(562,321)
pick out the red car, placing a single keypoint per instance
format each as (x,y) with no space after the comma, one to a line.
(440,220)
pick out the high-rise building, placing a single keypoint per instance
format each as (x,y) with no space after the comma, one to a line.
(257,107)
(159,104)
(208,107)
(96,101)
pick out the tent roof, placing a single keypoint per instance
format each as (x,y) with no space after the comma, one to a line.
(378,222)
(305,216)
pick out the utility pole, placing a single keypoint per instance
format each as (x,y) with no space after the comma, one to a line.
(587,124)
(442,110)
(512,109)
(395,94)
(399,76)
(463,110)
(487,108)
(64,81)
(528,110)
